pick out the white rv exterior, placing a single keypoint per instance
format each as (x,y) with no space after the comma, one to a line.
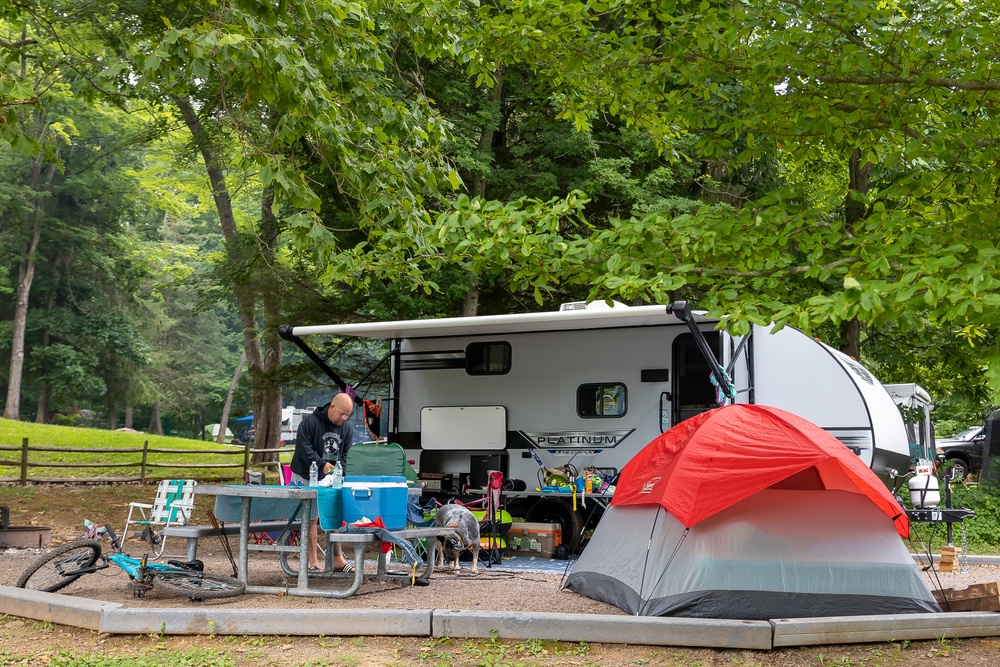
(593,384)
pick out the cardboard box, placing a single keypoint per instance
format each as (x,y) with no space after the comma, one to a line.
(533,539)
(977,597)
(373,496)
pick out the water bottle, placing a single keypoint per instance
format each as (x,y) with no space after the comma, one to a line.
(338,476)
(313,474)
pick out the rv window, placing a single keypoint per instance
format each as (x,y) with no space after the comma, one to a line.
(601,400)
(487,358)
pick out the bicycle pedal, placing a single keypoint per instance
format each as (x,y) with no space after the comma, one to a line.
(151,536)
(138,589)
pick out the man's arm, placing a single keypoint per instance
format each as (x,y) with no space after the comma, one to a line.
(348,440)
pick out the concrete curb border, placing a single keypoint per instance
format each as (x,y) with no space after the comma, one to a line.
(900,627)
(694,632)
(114,618)
(329,622)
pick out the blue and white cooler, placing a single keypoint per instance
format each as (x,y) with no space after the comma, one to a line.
(374,496)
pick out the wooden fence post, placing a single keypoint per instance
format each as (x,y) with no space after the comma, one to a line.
(24,461)
(246,458)
(145,453)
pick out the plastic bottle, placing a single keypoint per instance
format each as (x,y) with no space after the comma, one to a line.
(313,474)
(338,476)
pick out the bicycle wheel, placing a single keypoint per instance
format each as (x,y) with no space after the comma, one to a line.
(198,585)
(55,570)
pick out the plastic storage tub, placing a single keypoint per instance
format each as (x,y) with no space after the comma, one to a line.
(330,507)
(374,496)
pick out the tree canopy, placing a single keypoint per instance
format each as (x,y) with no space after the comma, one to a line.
(828,165)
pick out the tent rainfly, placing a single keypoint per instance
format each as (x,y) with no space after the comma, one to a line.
(750,512)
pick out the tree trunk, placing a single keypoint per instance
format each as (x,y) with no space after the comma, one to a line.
(486,136)
(267,422)
(471,303)
(25,276)
(45,393)
(128,415)
(111,412)
(477,186)
(266,398)
(854,212)
(224,419)
(155,424)
(850,335)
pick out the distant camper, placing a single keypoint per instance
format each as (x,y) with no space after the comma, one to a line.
(290,418)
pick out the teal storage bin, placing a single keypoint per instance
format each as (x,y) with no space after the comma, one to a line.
(373,496)
(330,507)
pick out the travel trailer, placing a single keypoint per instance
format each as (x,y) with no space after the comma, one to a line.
(590,385)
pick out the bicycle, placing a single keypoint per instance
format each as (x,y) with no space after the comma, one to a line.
(69,562)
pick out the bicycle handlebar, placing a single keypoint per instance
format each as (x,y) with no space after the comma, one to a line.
(114,538)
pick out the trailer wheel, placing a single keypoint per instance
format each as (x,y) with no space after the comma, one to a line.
(554,510)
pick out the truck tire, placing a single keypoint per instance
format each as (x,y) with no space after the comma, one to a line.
(557,510)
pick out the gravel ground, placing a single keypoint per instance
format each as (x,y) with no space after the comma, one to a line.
(491,589)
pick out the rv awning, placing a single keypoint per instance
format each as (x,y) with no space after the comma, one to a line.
(599,317)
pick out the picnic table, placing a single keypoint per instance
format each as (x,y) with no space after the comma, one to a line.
(303,497)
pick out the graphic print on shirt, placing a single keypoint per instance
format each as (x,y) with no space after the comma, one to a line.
(331,445)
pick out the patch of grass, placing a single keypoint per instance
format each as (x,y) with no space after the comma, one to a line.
(187,658)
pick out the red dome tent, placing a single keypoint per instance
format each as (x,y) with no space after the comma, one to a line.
(748,511)
(717,458)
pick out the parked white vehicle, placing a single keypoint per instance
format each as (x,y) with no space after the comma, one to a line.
(592,384)
(290,419)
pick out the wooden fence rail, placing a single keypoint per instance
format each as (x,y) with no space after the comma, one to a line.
(143,464)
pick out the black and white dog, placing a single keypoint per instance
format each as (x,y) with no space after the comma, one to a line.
(466,526)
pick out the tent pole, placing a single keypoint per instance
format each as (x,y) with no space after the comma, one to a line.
(583,528)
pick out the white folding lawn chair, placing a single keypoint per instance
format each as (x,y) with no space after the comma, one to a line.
(172,506)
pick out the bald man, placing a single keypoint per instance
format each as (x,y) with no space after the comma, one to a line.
(323,438)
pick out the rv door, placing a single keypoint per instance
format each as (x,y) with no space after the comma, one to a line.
(692,388)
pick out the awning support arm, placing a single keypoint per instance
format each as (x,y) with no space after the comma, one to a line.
(285,331)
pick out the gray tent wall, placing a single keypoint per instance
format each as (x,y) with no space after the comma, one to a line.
(781,553)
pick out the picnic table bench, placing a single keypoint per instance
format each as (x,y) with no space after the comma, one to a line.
(191,534)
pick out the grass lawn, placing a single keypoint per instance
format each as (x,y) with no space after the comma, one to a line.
(112,455)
